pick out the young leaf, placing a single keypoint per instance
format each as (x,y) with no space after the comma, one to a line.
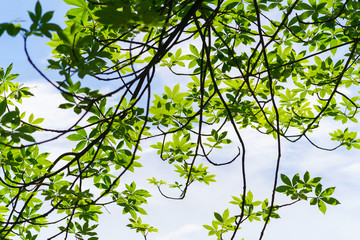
(75,137)
(225,215)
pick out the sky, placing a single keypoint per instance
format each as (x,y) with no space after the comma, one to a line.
(183,220)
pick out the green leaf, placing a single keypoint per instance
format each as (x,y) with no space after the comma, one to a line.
(3,209)
(194,50)
(33,17)
(3,105)
(327,192)
(313,201)
(286,180)
(8,70)
(47,17)
(318,60)
(218,217)
(318,189)
(75,137)
(77,110)
(10,28)
(11,117)
(322,206)
(330,200)
(38,121)
(208,227)
(315,181)
(68,97)
(80,145)
(283,188)
(296,179)
(178,53)
(66,105)
(306,177)
(38,9)
(27,137)
(225,215)
(79,3)
(93,119)
(305,15)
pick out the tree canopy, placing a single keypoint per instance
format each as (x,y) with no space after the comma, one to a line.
(278,67)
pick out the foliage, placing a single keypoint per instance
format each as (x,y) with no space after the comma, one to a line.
(279,67)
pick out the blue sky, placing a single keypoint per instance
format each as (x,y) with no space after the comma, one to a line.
(183,220)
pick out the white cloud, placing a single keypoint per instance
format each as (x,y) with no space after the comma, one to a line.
(184,233)
(45,105)
(352,169)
